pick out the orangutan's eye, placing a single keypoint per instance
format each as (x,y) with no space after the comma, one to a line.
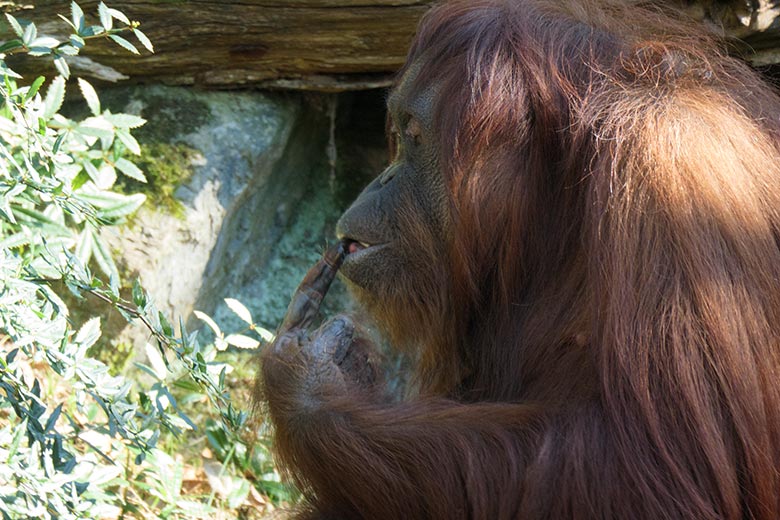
(395,141)
(414,131)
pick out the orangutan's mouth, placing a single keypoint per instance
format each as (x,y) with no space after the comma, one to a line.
(358,251)
(354,246)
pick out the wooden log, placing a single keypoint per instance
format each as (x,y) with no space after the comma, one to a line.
(325,45)
(301,44)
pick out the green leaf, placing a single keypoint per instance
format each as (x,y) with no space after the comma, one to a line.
(45,41)
(125,120)
(67,50)
(241,341)
(62,66)
(52,420)
(122,206)
(65,19)
(106,176)
(15,25)
(58,143)
(92,171)
(92,30)
(266,334)
(8,74)
(238,308)
(156,361)
(105,17)
(130,169)
(167,328)
(30,33)
(84,246)
(113,285)
(128,140)
(10,45)
(96,127)
(37,219)
(55,95)
(205,318)
(36,85)
(15,240)
(79,180)
(77,15)
(139,296)
(39,51)
(17,439)
(89,333)
(145,41)
(77,41)
(124,43)
(5,209)
(119,15)
(103,257)
(90,96)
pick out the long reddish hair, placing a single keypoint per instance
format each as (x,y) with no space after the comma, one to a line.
(615,186)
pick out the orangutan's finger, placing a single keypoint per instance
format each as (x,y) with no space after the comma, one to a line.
(306,301)
(332,339)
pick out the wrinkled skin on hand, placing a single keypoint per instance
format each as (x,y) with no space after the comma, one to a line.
(302,368)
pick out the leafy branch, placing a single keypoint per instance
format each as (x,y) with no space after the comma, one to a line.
(30,42)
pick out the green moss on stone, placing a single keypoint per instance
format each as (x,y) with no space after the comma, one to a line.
(166,166)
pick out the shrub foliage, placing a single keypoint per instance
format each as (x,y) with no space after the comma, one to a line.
(76,439)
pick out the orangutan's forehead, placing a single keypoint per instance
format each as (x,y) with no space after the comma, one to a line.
(409,97)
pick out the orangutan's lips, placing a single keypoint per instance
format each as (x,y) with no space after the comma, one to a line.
(353,246)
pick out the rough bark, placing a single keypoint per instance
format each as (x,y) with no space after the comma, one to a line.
(326,45)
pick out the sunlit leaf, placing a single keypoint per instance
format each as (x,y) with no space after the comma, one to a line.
(241,341)
(84,246)
(139,296)
(266,334)
(62,66)
(96,127)
(124,43)
(10,45)
(90,96)
(240,310)
(45,41)
(130,169)
(144,40)
(105,17)
(55,95)
(156,361)
(77,15)
(125,120)
(119,15)
(128,140)
(205,318)
(89,333)
(30,33)
(15,25)
(36,85)
(103,257)
(106,176)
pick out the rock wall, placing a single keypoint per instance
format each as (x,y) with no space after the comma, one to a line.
(260,180)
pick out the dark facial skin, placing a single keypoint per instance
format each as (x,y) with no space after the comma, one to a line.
(409,195)
(393,250)
(399,225)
